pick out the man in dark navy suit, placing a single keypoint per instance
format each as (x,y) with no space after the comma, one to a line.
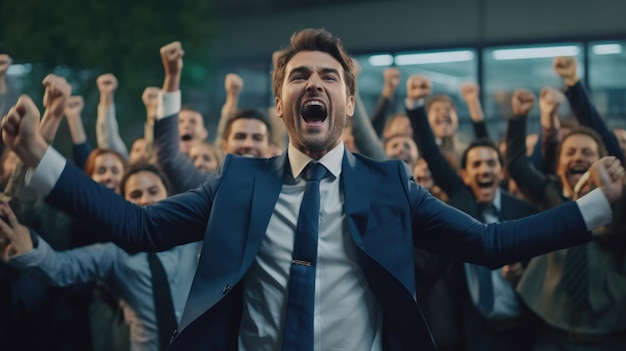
(371,215)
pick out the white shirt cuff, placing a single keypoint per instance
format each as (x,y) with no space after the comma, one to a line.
(47,173)
(169,104)
(595,209)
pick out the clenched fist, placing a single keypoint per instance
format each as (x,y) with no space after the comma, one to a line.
(565,67)
(233,84)
(418,87)
(523,101)
(150,97)
(74,106)
(470,91)
(391,77)
(107,83)
(172,57)
(58,90)
(607,174)
(21,133)
(549,100)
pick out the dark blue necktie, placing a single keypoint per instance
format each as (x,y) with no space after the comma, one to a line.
(163,305)
(298,330)
(483,274)
(576,274)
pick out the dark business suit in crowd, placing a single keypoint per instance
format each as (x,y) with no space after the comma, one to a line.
(479,333)
(231,211)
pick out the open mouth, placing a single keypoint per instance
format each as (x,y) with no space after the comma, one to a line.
(246,154)
(314,112)
(578,170)
(485,184)
(185,137)
(444,120)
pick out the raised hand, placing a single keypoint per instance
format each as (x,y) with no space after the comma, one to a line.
(150,99)
(74,106)
(391,77)
(172,57)
(233,84)
(107,84)
(58,90)
(565,67)
(5,62)
(522,102)
(607,174)
(14,237)
(470,92)
(550,100)
(21,132)
(418,87)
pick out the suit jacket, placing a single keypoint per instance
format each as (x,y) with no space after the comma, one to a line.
(181,172)
(478,334)
(231,211)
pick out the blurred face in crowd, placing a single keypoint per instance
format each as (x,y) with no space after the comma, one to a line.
(578,153)
(144,188)
(204,157)
(138,152)
(442,118)
(398,125)
(422,174)
(191,128)
(108,171)
(248,137)
(403,148)
(314,102)
(482,173)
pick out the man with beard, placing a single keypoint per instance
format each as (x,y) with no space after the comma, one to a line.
(305,250)
(582,307)
(493,325)
(246,132)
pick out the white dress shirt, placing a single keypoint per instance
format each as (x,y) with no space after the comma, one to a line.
(341,290)
(505,302)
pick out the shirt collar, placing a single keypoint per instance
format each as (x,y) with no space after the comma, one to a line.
(331,160)
(497,200)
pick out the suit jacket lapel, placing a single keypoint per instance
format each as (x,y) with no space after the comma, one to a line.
(251,200)
(354,179)
(267,186)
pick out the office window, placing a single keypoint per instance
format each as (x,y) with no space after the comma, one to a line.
(508,68)
(606,80)
(255,94)
(447,69)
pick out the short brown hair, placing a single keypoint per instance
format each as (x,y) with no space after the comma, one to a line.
(90,164)
(579,130)
(439,98)
(144,167)
(314,40)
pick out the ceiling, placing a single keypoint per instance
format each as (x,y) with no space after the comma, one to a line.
(245,7)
